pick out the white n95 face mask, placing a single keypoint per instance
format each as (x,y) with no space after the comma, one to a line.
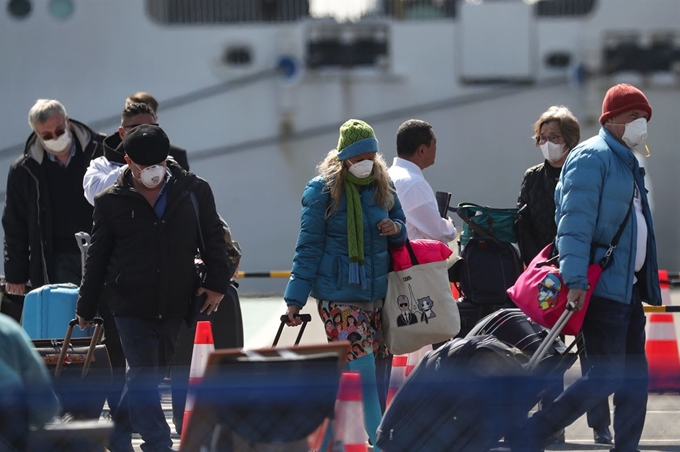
(636,132)
(361,169)
(60,144)
(152,176)
(553,152)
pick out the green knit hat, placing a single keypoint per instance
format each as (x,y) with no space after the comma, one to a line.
(356,138)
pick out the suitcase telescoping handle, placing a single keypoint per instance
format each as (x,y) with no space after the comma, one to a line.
(550,338)
(83,239)
(96,335)
(306,318)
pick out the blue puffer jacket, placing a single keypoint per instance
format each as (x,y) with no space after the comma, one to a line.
(592,199)
(321,263)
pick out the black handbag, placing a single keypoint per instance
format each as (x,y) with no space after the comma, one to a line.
(233,254)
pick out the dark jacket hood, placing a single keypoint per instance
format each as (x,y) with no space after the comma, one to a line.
(113,149)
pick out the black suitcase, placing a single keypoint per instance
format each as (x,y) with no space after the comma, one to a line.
(82,371)
(461,397)
(227,328)
(471,313)
(469,393)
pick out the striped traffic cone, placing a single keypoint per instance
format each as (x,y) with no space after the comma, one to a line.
(349,430)
(662,354)
(415,357)
(204,344)
(665,286)
(397,376)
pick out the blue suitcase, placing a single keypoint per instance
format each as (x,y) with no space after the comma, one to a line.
(48,308)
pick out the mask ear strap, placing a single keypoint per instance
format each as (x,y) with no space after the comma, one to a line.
(647,153)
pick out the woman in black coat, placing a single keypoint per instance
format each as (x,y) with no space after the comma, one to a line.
(556,133)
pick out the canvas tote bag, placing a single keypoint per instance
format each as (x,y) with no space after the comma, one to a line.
(419,308)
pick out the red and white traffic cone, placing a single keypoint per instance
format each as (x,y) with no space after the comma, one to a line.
(349,430)
(415,357)
(397,376)
(204,345)
(665,286)
(662,354)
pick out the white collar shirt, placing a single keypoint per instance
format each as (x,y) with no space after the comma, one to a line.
(419,203)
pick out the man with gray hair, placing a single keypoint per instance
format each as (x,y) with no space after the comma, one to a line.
(45,205)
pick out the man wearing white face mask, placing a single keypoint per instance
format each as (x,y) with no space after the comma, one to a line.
(144,238)
(44,206)
(601,194)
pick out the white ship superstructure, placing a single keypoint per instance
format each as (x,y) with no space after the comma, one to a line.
(256,89)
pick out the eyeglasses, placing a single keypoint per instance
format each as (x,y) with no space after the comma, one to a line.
(132,126)
(403,304)
(555,139)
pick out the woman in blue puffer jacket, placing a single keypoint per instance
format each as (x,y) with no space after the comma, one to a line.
(350,216)
(601,182)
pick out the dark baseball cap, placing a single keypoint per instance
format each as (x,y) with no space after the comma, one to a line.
(146,144)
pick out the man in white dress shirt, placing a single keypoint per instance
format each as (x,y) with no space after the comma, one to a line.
(416,150)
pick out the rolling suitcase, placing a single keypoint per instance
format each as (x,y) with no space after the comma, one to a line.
(227,327)
(466,395)
(48,308)
(81,368)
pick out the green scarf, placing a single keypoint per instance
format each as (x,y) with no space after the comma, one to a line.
(355,228)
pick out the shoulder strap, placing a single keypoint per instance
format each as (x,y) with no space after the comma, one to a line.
(474,226)
(194,201)
(606,260)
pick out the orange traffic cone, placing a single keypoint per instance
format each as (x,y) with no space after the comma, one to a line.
(349,430)
(397,375)
(662,354)
(204,344)
(455,292)
(415,357)
(665,286)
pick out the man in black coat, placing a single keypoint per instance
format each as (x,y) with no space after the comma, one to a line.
(45,206)
(144,240)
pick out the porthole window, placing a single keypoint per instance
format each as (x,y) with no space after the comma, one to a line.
(237,56)
(558,60)
(61,9)
(19,9)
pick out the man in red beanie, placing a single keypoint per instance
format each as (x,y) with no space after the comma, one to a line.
(602,210)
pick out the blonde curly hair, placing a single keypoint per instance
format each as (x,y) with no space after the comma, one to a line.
(333,171)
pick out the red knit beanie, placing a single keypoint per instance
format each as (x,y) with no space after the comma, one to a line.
(622,98)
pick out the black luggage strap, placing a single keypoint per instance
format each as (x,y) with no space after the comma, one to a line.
(412,256)
(607,259)
(474,226)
